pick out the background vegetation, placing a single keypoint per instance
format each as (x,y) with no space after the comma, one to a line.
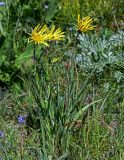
(66,103)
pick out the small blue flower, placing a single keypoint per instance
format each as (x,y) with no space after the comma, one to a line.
(2,3)
(21,119)
(46,6)
(1,134)
(70,29)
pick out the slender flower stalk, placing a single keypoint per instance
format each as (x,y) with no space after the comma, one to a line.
(21,121)
(85,24)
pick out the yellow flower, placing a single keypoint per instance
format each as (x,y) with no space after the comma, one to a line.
(56,34)
(55,59)
(85,24)
(43,34)
(39,35)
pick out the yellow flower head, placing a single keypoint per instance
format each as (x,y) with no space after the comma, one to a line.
(39,35)
(56,34)
(43,34)
(85,24)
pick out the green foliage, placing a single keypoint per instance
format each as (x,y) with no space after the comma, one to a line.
(16,24)
(68,11)
(52,9)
